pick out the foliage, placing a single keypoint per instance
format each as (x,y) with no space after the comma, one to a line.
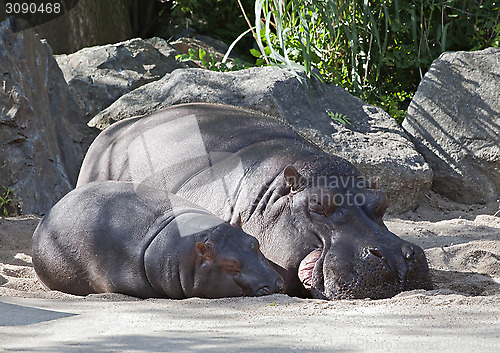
(5,200)
(209,62)
(341,118)
(377,50)
(221,19)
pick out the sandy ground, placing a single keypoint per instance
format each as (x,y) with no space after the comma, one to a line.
(462,313)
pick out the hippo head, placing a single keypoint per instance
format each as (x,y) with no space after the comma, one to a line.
(344,249)
(229,263)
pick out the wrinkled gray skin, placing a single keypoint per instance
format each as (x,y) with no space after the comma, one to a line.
(113,237)
(296,199)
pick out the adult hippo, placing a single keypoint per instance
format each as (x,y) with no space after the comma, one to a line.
(310,210)
(124,238)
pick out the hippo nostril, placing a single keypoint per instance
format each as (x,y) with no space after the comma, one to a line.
(408,252)
(263,291)
(376,252)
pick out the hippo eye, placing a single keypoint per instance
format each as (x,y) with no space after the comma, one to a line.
(231,266)
(321,203)
(315,205)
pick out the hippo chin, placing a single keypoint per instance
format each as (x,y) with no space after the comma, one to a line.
(131,239)
(316,218)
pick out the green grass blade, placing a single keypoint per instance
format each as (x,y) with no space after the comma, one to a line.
(228,52)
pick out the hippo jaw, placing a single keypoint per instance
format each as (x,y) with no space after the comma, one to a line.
(338,285)
(372,276)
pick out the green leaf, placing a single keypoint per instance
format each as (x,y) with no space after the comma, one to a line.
(202,54)
(182,57)
(341,118)
(255,53)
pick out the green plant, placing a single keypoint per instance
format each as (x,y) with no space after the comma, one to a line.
(5,199)
(209,62)
(221,19)
(377,50)
(341,118)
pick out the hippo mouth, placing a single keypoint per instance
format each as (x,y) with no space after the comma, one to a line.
(307,268)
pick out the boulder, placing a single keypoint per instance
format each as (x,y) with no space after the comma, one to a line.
(43,135)
(454,121)
(97,76)
(211,46)
(89,23)
(373,141)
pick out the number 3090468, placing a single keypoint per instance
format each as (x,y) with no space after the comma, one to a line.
(17,8)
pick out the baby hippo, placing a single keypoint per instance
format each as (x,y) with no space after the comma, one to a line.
(126,238)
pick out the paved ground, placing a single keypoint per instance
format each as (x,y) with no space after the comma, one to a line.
(413,322)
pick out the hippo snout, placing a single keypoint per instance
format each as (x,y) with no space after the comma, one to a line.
(277,287)
(263,291)
(379,275)
(391,269)
(408,252)
(417,270)
(348,271)
(401,267)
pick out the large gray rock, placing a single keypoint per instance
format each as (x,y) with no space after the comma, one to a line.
(43,135)
(454,120)
(374,142)
(97,76)
(89,23)
(210,45)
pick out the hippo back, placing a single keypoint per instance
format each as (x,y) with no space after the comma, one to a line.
(213,155)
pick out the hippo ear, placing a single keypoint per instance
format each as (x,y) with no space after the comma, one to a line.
(376,205)
(205,251)
(292,178)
